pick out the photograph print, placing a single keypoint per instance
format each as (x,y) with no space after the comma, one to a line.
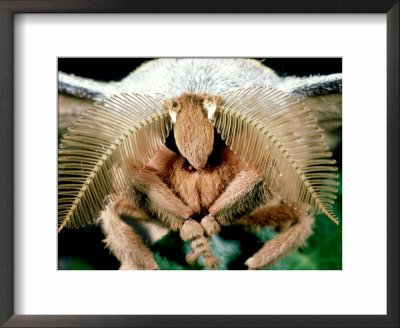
(199,163)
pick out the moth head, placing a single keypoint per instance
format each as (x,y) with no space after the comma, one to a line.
(192,117)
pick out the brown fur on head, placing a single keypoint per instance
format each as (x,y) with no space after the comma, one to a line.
(193,130)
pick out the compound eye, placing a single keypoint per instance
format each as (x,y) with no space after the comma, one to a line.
(210,105)
(173,108)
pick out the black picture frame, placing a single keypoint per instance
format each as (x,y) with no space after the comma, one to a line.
(10,7)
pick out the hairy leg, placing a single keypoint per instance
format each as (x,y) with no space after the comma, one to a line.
(294,229)
(246,192)
(150,193)
(189,230)
(128,206)
(193,231)
(210,225)
(125,243)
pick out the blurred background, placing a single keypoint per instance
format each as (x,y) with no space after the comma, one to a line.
(83,249)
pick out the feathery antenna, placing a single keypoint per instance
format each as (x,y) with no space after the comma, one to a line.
(278,135)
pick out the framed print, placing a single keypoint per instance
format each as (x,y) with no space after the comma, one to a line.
(346,275)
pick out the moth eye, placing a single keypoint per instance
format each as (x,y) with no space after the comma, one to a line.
(210,106)
(173,108)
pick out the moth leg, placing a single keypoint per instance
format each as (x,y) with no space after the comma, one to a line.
(210,225)
(124,242)
(294,229)
(149,192)
(124,206)
(193,231)
(246,192)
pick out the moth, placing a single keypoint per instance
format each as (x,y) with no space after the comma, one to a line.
(196,145)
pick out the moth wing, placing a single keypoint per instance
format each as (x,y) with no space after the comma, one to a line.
(316,85)
(70,109)
(323,96)
(328,111)
(85,88)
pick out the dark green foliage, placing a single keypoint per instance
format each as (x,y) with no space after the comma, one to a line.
(73,263)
